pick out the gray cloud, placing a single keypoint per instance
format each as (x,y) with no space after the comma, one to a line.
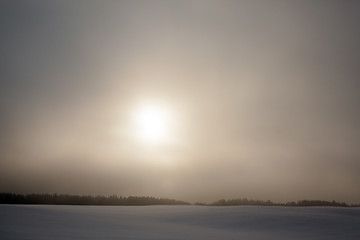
(265,94)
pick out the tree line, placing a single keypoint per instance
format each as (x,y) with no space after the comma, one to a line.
(114,200)
(65,199)
(301,203)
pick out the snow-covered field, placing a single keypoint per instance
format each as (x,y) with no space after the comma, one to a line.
(177,222)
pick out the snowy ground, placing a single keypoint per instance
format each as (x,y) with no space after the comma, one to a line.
(177,222)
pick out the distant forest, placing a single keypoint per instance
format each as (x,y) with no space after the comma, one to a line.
(113,200)
(302,203)
(64,199)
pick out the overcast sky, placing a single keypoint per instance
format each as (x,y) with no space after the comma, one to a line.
(263,95)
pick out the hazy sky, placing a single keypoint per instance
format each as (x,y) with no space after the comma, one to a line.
(262,96)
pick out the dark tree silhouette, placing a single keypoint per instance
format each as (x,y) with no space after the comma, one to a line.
(64,199)
(302,203)
(114,200)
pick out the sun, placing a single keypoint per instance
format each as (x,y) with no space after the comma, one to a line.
(152,123)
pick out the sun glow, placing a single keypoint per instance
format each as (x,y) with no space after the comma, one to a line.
(153,123)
